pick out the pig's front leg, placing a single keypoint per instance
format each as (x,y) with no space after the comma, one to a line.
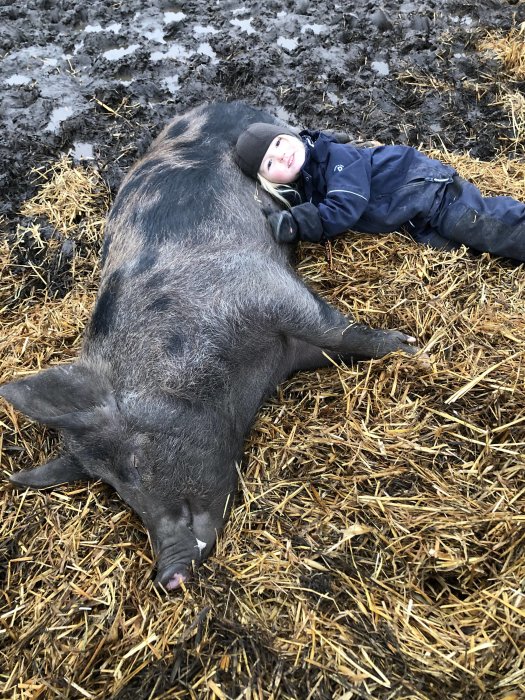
(308,318)
(305,356)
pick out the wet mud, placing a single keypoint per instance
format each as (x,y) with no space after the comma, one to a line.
(97,80)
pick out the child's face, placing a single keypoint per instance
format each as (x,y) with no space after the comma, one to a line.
(283,160)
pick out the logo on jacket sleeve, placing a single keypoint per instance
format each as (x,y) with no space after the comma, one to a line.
(338,168)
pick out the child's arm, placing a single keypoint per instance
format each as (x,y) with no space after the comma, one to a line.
(347,177)
(348,174)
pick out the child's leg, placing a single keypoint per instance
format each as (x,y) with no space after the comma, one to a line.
(489,224)
(427,235)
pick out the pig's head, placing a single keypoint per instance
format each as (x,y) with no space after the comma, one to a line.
(164,456)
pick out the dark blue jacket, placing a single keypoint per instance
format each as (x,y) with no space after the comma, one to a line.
(373,190)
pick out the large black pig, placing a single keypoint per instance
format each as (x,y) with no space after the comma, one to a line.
(198,318)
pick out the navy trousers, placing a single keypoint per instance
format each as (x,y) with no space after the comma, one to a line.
(487,224)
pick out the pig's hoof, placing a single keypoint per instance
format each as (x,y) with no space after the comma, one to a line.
(403,338)
(396,340)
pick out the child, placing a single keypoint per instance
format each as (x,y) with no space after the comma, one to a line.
(330,187)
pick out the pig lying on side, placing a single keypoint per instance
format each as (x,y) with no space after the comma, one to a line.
(198,318)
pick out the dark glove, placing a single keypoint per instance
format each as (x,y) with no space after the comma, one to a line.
(309,225)
(284,228)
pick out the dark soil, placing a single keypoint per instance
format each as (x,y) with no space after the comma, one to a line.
(99,79)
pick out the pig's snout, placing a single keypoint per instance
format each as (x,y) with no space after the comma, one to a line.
(172,577)
(176,559)
(184,540)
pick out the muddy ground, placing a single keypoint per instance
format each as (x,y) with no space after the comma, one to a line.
(397,71)
(96,81)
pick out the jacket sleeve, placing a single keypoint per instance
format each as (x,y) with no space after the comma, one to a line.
(348,174)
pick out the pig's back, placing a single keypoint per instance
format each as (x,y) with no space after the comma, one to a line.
(189,262)
(187,189)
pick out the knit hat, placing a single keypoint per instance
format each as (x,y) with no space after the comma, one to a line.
(253,143)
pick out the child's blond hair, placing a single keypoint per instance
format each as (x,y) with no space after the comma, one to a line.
(275,190)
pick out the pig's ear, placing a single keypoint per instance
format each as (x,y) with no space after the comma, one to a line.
(61,397)
(59,471)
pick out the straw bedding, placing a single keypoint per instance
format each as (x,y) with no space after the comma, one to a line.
(376,548)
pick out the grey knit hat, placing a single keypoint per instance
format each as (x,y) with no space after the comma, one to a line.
(253,143)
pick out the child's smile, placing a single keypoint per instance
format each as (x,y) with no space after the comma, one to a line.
(283,160)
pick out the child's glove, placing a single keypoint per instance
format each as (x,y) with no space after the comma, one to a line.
(284,228)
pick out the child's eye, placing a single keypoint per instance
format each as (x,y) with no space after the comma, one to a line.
(269,165)
(278,142)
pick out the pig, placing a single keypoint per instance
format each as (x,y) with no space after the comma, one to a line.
(199,316)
